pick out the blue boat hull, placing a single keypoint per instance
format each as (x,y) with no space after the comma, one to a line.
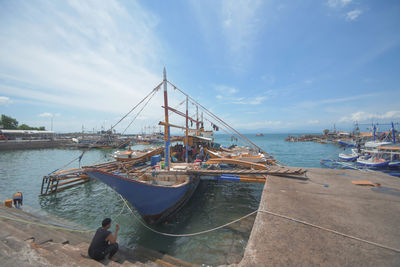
(154,202)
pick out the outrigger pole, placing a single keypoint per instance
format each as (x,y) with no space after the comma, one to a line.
(166,126)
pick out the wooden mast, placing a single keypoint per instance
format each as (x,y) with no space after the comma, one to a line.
(187,130)
(197,122)
(166,126)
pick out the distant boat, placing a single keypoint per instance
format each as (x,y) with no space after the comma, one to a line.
(349,157)
(347,143)
(259,134)
(372,162)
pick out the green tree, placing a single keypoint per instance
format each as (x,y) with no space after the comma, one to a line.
(8,122)
(24,127)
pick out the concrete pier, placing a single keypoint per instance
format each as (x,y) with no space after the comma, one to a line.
(32,144)
(25,243)
(330,200)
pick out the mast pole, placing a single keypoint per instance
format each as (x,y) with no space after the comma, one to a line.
(197,120)
(166,127)
(394,134)
(187,130)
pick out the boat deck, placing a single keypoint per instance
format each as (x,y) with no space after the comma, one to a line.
(329,200)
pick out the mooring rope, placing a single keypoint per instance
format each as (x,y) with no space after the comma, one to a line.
(330,230)
(267,212)
(190,234)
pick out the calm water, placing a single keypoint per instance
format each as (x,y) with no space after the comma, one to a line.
(213,204)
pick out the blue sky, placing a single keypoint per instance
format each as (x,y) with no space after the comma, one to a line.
(271,66)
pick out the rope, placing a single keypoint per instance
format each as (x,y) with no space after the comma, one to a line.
(218,119)
(148,100)
(185,235)
(155,89)
(68,163)
(263,211)
(331,231)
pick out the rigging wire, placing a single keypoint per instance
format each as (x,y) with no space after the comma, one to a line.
(155,89)
(148,100)
(218,119)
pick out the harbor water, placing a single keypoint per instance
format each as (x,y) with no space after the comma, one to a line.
(213,204)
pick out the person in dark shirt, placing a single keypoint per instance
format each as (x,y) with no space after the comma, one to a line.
(104,242)
(18,198)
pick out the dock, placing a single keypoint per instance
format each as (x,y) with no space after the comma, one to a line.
(314,222)
(33,240)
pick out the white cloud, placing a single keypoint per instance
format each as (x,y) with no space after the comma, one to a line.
(48,114)
(226,89)
(363,116)
(219,96)
(338,3)
(352,15)
(237,22)
(86,54)
(313,122)
(250,101)
(240,23)
(5,101)
(311,104)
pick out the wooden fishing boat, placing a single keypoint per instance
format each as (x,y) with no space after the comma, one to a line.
(156,196)
(136,154)
(241,154)
(157,191)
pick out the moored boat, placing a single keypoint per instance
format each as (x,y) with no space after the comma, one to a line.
(372,162)
(155,197)
(349,157)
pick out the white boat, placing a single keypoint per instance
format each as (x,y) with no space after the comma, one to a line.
(349,157)
(372,162)
(375,144)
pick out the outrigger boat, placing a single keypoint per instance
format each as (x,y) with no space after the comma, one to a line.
(244,155)
(161,189)
(128,155)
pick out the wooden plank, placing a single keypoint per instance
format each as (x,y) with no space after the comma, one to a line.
(256,166)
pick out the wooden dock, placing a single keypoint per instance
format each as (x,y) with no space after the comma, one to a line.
(295,229)
(61,180)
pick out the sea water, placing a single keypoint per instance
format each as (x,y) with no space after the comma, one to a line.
(213,204)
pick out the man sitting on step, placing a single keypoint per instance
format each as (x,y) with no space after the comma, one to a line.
(104,242)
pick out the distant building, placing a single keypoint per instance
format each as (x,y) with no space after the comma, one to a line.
(26,134)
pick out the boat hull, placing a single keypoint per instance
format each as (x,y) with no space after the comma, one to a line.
(154,203)
(372,164)
(348,157)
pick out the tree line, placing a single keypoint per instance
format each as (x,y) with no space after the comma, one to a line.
(10,123)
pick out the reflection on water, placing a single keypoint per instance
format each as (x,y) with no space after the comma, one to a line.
(213,204)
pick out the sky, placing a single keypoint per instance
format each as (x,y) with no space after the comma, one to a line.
(261,66)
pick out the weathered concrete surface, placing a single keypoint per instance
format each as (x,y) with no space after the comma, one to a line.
(31,144)
(26,244)
(330,200)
